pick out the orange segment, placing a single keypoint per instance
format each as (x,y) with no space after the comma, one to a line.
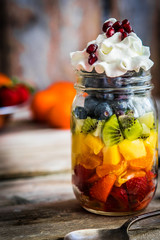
(128,175)
(89,161)
(101,189)
(107,169)
(142,163)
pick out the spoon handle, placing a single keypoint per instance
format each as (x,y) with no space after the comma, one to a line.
(134,219)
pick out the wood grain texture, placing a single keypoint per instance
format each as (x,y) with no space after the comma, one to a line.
(45,208)
(31,152)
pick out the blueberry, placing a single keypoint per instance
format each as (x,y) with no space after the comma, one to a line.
(120,107)
(104,96)
(103,111)
(120,97)
(96,82)
(80,112)
(90,104)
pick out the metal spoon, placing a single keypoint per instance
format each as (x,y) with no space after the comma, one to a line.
(120,233)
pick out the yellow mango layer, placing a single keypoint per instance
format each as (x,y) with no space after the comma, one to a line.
(111,155)
(151,141)
(78,147)
(94,143)
(132,149)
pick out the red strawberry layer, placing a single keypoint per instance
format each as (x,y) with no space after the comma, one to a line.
(121,197)
(80,177)
(137,190)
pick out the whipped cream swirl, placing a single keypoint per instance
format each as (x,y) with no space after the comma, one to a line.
(115,56)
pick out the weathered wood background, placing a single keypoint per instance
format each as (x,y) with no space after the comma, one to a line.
(36,36)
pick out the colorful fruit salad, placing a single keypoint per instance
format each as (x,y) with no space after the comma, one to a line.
(113,159)
(114,123)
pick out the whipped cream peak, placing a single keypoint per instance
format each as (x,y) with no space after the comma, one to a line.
(114,56)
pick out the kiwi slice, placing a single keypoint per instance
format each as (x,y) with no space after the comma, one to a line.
(76,125)
(147,119)
(89,125)
(111,132)
(131,127)
(98,130)
(145,132)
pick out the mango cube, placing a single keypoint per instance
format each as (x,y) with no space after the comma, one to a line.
(132,149)
(94,143)
(151,141)
(111,155)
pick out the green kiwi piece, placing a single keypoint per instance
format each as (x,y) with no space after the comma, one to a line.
(76,124)
(131,127)
(98,130)
(89,125)
(145,132)
(111,133)
(147,119)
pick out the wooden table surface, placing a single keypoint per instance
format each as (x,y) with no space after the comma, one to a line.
(36,198)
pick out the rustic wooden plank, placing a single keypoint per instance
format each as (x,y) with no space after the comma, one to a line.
(45,208)
(33,152)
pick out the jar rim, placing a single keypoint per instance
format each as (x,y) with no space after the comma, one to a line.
(130,81)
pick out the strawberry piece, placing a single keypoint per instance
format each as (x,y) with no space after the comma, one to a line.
(120,195)
(111,204)
(8,97)
(23,92)
(137,189)
(80,177)
(101,189)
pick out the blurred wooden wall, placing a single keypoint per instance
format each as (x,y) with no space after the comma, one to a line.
(36,36)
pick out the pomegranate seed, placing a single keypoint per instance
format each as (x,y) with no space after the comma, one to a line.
(127,28)
(110,32)
(125,21)
(124,35)
(116,25)
(121,30)
(92,58)
(106,25)
(91,48)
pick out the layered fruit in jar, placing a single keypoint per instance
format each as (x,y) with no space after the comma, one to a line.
(114,123)
(114,154)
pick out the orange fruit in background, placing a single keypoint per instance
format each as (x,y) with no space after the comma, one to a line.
(41,103)
(59,115)
(4,80)
(53,104)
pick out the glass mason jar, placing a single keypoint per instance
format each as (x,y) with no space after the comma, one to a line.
(114,142)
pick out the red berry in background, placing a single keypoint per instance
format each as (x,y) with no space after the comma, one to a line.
(116,25)
(106,25)
(127,28)
(23,92)
(125,21)
(110,32)
(92,48)
(8,97)
(124,35)
(92,58)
